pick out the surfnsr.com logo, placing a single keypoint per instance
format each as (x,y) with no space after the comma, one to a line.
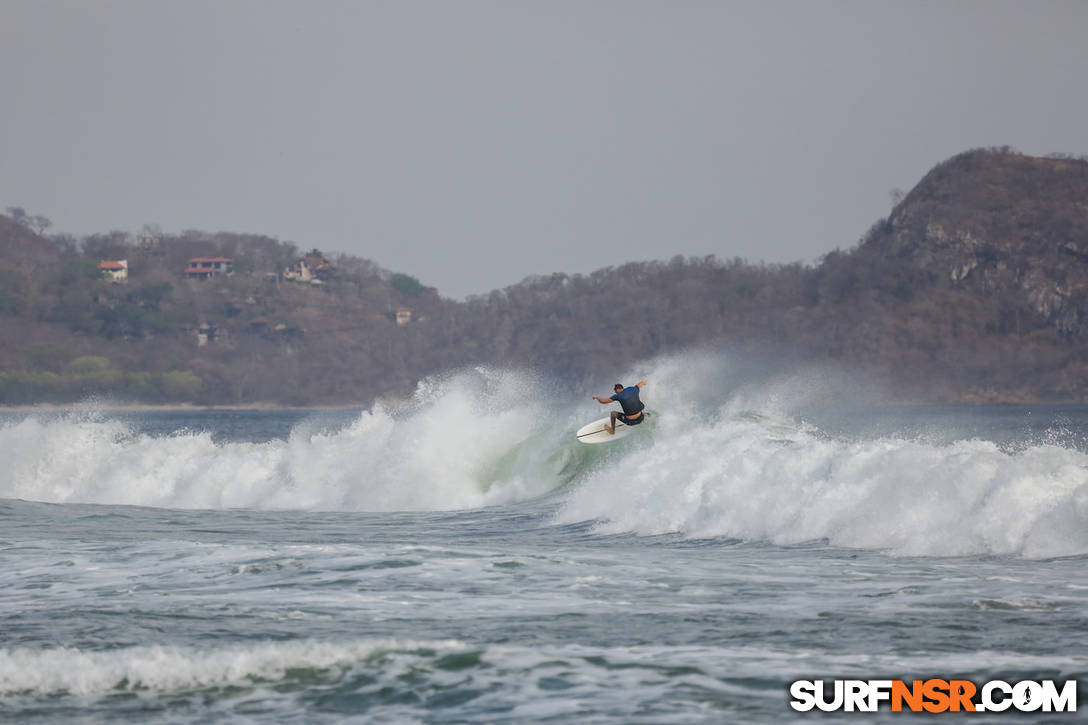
(933,695)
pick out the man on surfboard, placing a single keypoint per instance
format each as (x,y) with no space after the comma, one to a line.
(628,399)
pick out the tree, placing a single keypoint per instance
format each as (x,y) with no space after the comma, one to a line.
(76,270)
(114,245)
(18,215)
(151,295)
(406,284)
(181,384)
(88,365)
(36,222)
(48,355)
(40,223)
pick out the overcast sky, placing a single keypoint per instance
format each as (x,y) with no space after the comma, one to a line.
(474,143)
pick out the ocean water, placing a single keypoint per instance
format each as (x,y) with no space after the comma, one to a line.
(460,558)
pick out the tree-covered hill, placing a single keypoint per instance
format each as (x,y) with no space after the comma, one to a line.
(973,289)
(975,284)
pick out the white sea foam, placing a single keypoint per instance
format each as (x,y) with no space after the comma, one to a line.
(164,668)
(730,463)
(612,677)
(442,450)
(737,465)
(755,478)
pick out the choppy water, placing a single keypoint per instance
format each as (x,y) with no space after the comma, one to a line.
(462,559)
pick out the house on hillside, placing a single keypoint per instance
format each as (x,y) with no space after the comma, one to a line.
(403,316)
(206,334)
(309,269)
(114,270)
(208,267)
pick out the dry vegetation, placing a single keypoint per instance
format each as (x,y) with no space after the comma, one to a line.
(974,289)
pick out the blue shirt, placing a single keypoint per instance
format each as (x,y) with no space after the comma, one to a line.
(628,400)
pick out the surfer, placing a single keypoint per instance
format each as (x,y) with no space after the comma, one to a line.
(628,399)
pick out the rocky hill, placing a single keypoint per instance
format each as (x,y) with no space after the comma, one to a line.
(1001,225)
(980,275)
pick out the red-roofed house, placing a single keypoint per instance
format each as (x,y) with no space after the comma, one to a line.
(207,267)
(114,270)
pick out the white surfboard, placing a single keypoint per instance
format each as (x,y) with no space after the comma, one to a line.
(595,432)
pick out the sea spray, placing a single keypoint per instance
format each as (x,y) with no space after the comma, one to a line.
(725,455)
(757,479)
(435,452)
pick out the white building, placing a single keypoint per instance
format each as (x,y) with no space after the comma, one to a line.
(207,267)
(114,270)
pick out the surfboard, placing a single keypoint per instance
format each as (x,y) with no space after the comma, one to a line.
(595,432)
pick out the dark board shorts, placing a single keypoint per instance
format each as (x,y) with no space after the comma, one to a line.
(630,421)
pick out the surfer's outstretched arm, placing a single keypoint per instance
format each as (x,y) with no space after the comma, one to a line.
(640,383)
(602,401)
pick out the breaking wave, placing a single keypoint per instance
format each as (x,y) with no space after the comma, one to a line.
(459,443)
(69,670)
(730,472)
(732,463)
(736,479)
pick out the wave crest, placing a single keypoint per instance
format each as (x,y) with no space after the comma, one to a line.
(748,478)
(439,451)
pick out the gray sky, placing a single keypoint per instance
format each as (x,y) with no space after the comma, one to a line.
(474,143)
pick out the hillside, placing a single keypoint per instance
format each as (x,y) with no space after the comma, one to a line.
(1001,225)
(973,289)
(980,274)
